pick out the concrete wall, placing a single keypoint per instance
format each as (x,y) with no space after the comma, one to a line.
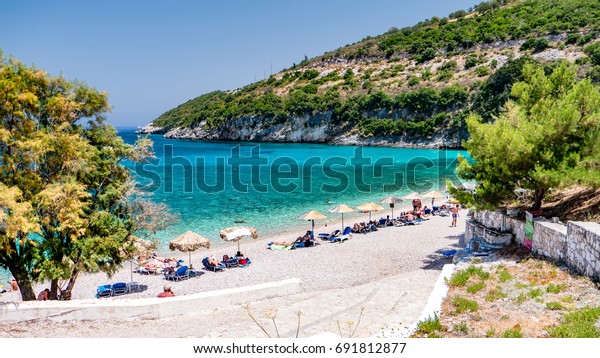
(145,308)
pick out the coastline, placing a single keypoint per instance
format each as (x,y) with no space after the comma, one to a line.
(389,272)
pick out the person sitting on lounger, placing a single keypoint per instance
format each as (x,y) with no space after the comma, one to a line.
(213,261)
(356,228)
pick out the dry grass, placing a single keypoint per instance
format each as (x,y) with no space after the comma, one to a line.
(522,297)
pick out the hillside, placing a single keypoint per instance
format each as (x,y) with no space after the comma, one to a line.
(408,87)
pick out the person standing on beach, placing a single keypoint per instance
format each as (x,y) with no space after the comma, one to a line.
(454,211)
(415,204)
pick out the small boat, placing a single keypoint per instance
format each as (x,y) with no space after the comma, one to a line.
(239,221)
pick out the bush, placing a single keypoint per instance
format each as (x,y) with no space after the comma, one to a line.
(482,71)
(593,51)
(471,61)
(413,81)
(537,45)
(463,305)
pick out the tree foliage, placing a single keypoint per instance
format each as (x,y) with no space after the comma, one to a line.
(546,137)
(63,193)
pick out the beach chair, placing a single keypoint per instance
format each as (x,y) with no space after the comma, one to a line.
(345,235)
(119,288)
(180,274)
(104,291)
(230,262)
(244,262)
(212,268)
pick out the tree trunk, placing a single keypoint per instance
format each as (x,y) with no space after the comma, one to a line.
(66,294)
(537,202)
(54,288)
(25,286)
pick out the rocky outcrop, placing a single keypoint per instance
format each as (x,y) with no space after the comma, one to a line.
(318,128)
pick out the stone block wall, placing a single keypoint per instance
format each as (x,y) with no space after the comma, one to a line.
(583,248)
(576,244)
(550,240)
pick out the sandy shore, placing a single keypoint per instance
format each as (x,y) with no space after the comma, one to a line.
(389,273)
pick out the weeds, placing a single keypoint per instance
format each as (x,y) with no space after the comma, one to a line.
(476,287)
(504,276)
(495,294)
(461,327)
(578,324)
(512,333)
(463,305)
(349,325)
(490,333)
(555,306)
(429,326)
(270,314)
(536,292)
(552,288)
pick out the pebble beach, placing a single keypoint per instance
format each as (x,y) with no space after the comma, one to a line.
(387,274)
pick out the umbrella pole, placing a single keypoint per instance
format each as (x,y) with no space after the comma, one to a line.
(392,213)
(312,233)
(190,258)
(238,246)
(343,222)
(131,267)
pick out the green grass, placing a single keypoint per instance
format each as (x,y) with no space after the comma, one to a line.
(536,292)
(578,324)
(521,285)
(461,327)
(567,299)
(490,333)
(555,306)
(463,305)
(476,287)
(461,278)
(495,294)
(512,333)
(504,276)
(552,288)
(521,298)
(429,326)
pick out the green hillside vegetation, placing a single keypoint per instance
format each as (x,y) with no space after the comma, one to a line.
(417,80)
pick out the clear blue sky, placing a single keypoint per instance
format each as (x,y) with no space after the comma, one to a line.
(151,56)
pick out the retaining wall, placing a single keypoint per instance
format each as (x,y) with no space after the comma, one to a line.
(577,244)
(145,308)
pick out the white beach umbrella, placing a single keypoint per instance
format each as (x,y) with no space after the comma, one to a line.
(342,208)
(237,233)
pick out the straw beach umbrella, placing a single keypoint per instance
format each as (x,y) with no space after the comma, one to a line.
(370,207)
(237,233)
(391,200)
(434,195)
(412,196)
(312,216)
(189,241)
(137,247)
(342,208)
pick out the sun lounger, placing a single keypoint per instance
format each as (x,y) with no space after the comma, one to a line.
(213,268)
(180,274)
(104,291)
(345,235)
(119,288)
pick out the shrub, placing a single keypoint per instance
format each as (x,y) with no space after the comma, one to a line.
(552,288)
(555,306)
(512,333)
(578,324)
(463,305)
(476,287)
(471,61)
(413,81)
(593,52)
(482,71)
(429,326)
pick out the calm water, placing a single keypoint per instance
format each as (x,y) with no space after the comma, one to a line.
(272,187)
(285,180)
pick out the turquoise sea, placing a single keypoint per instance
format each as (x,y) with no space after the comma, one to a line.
(268,185)
(273,183)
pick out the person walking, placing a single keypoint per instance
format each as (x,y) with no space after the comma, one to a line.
(454,211)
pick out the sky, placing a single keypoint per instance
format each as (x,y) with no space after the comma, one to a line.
(151,56)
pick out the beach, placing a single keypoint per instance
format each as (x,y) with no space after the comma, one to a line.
(387,274)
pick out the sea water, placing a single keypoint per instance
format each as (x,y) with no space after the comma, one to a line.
(268,185)
(211,185)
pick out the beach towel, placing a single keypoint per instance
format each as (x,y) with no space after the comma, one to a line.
(279,247)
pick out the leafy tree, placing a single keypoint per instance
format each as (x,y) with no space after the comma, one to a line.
(546,138)
(593,51)
(63,193)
